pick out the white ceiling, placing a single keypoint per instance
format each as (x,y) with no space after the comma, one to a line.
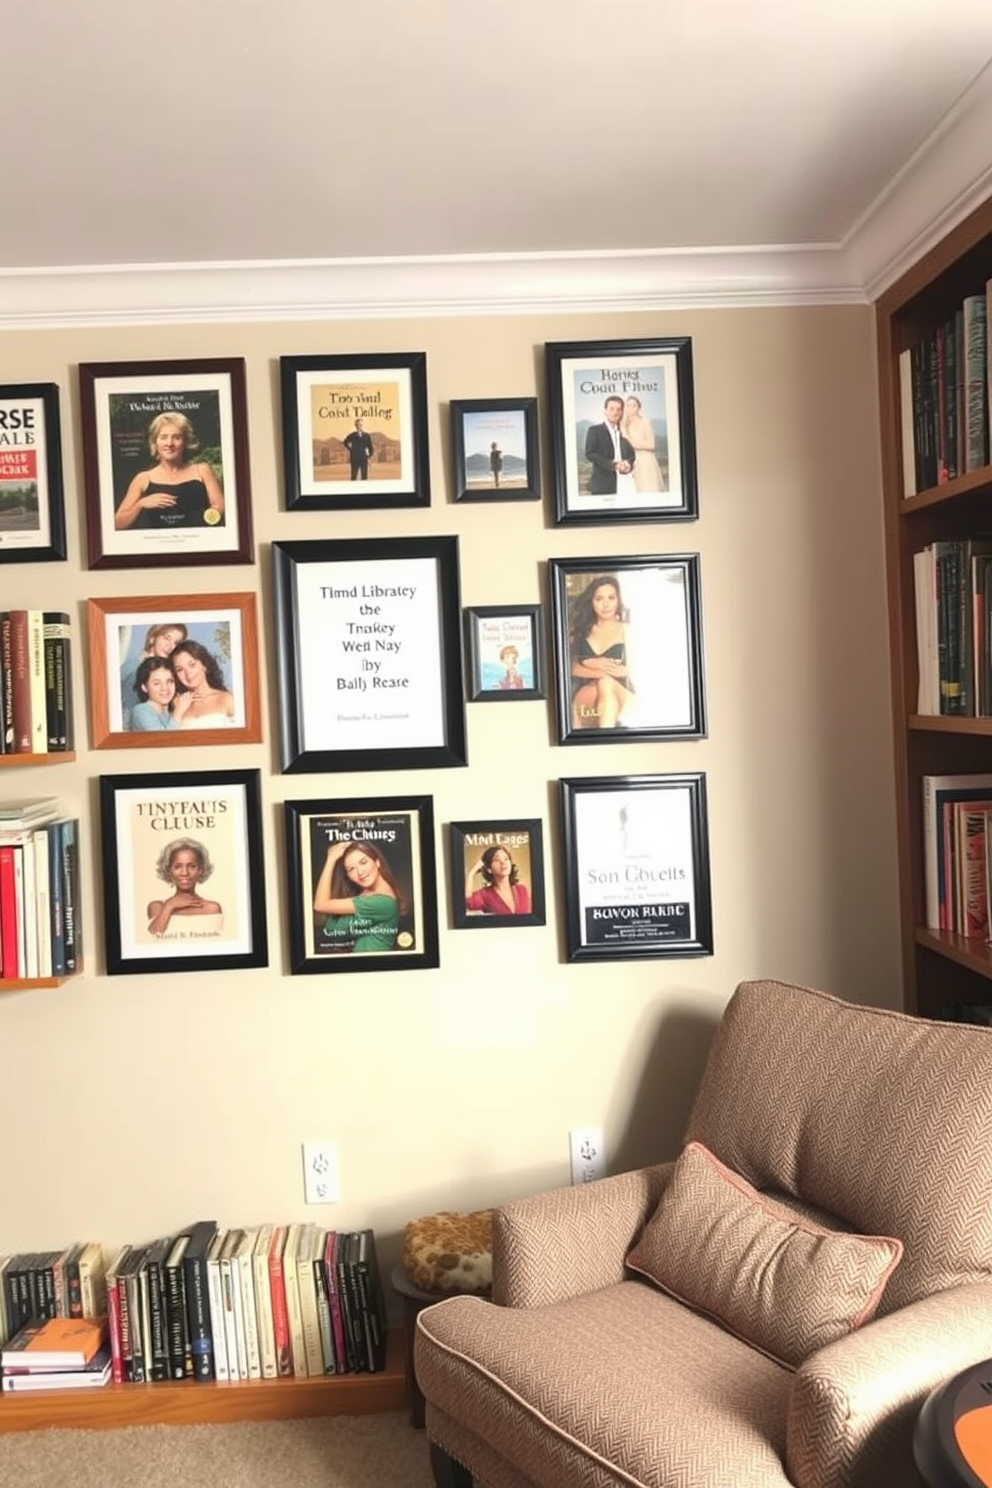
(223,132)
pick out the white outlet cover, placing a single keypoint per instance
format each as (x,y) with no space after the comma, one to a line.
(587,1153)
(321,1173)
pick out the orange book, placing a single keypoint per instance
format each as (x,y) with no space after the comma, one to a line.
(57,1343)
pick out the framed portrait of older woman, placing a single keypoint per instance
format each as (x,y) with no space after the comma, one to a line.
(362,889)
(497,874)
(627,648)
(622,430)
(183,881)
(165,463)
(173,670)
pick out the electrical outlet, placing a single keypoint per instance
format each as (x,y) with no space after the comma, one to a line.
(588,1153)
(321,1177)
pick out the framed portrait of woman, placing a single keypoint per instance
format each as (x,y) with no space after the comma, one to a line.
(183,882)
(165,463)
(627,648)
(362,889)
(497,874)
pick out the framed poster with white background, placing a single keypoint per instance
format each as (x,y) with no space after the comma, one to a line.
(32,504)
(369,654)
(636,867)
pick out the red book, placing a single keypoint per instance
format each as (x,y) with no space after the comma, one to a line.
(280,1314)
(8,915)
(20,675)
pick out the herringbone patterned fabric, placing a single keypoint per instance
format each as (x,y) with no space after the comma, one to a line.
(880,1119)
(781,1283)
(620,1387)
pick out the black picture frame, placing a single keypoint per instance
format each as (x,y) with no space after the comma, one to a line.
(323,398)
(636,867)
(656,372)
(475,903)
(397,834)
(216,813)
(660,695)
(494,449)
(491,676)
(384,613)
(32,496)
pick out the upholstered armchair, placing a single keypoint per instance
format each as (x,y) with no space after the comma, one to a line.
(771,1309)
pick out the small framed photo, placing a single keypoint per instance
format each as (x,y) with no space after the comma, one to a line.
(355,431)
(173,670)
(622,430)
(503,647)
(32,501)
(494,449)
(497,874)
(369,654)
(637,872)
(165,463)
(362,885)
(628,648)
(184,886)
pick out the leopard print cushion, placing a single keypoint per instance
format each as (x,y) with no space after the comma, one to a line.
(450,1252)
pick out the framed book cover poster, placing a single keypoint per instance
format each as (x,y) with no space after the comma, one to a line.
(497,874)
(369,654)
(355,431)
(362,888)
(183,882)
(32,501)
(637,871)
(622,430)
(165,463)
(173,671)
(494,449)
(503,650)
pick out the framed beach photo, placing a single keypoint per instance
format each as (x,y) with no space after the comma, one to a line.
(165,463)
(183,881)
(354,431)
(504,650)
(173,670)
(494,449)
(497,874)
(627,648)
(362,885)
(32,501)
(622,430)
(369,654)
(636,867)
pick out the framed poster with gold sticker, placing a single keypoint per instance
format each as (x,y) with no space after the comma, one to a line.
(165,459)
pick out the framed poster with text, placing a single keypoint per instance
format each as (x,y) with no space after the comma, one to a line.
(32,503)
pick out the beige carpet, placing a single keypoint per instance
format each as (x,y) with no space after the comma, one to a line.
(380,1451)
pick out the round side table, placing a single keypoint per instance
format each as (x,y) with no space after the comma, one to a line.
(952,1443)
(414,1302)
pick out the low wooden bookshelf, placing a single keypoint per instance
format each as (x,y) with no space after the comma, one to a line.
(35,984)
(193,1404)
(56,757)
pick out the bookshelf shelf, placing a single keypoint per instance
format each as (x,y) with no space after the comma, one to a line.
(56,757)
(191,1403)
(35,984)
(966,951)
(940,723)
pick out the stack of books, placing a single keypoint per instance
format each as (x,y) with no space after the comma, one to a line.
(40,922)
(35,682)
(57,1354)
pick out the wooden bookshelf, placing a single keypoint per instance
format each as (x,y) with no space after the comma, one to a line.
(56,757)
(193,1404)
(36,984)
(939,969)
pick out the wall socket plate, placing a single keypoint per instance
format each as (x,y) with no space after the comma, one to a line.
(588,1153)
(321,1173)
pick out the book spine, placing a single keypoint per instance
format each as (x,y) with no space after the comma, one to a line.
(71,918)
(247,1279)
(324,1315)
(280,1313)
(72,1282)
(8,914)
(36,676)
(976,382)
(43,919)
(334,1300)
(240,1369)
(198,1311)
(158,1327)
(56,637)
(56,900)
(6,687)
(309,1316)
(297,1345)
(180,1355)
(263,1304)
(20,676)
(215,1292)
(93,1280)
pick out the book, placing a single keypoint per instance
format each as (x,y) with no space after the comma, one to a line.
(93,1279)
(215,1292)
(324,1308)
(57,642)
(153,1285)
(36,679)
(98,1371)
(8,913)
(310,1246)
(244,1256)
(937,791)
(118,1260)
(20,682)
(297,1345)
(197,1299)
(372,1300)
(6,688)
(277,1293)
(263,1302)
(180,1353)
(231,1301)
(56,1343)
(71,918)
(334,1301)
(976,384)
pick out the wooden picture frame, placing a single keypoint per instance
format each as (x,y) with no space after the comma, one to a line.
(132,642)
(198,833)
(483,894)
(504,653)
(362,884)
(636,867)
(369,654)
(355,431)
(494,449)
(635,673)
(32,498)
(145,423)
(647,474)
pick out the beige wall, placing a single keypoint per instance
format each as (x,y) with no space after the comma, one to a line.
(134,1104)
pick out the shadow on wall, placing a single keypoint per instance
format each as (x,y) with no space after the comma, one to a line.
(665,1087)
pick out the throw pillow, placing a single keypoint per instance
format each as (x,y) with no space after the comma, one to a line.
(778,1281)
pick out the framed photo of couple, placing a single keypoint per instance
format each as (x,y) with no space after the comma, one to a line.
(173,671)
(622,430)
(627,648)
(362,888)
(32,503)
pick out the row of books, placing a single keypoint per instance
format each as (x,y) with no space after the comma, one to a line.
(944,380)
(953,597)
(36,1286)
(957,852)
(57,1354)
(40,922)
(36,713)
